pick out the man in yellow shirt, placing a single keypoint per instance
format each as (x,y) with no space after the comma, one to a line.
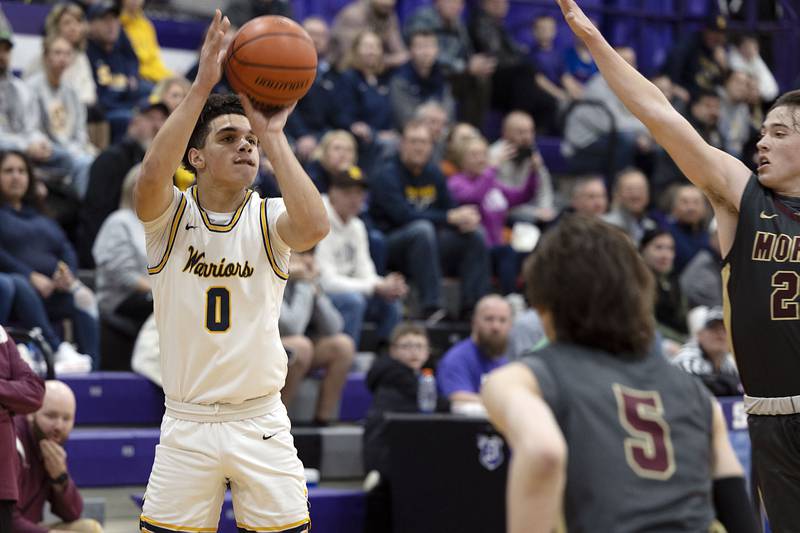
(142,34)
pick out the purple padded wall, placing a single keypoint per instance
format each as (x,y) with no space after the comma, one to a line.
(116,398)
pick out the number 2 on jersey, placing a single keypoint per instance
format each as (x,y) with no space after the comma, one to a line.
(218,309)
(648,449)
(785,290)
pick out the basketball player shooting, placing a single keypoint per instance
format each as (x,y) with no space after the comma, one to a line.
(758,218)
(218,258)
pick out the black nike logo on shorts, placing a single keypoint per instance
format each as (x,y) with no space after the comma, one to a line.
(188,227)
(266,437)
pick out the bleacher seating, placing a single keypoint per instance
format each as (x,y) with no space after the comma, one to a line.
(128,399)
(108,457)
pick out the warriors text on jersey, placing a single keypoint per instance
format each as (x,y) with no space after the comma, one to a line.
(638,437)
(217,292)
(761,281)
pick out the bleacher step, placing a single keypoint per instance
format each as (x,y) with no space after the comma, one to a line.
(106,457)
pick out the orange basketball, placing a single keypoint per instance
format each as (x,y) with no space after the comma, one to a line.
(272,60)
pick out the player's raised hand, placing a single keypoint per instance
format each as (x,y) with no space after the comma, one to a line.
(212,54)
(580,24)
(265,123)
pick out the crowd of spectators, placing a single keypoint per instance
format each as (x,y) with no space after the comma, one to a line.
(422,136)
(397,132)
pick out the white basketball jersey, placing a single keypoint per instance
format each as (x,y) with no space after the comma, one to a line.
(217,292)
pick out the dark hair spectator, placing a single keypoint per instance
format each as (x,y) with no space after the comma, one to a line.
(658,252)
(420,80)
(34,246)
(109,170)
(469,73)
(514,83)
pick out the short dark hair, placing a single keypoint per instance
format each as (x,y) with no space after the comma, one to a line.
(420,32)
(407,328)
(699,94)
(30,198)
(216,105)
(790,99)
(589,276)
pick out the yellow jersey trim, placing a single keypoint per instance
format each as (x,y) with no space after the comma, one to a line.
(173,526)
(267,245)
(274,528)
(176,222)
(215,227)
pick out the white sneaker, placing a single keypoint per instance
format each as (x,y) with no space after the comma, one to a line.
(69,361)
(37,364)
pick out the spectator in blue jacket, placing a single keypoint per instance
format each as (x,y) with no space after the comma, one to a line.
(35,247)
(115,67)
(420,80)
(315,112)
(363,98)
(410,203)
(687,224)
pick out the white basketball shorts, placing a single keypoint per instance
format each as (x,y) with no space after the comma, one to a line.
(196,459)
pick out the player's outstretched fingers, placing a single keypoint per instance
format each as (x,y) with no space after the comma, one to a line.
(578,22)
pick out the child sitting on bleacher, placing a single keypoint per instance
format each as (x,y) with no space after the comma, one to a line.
(393,383)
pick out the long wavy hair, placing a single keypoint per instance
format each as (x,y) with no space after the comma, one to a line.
(588,275)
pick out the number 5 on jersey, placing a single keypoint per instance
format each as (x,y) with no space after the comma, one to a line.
(648,450)
(218,309)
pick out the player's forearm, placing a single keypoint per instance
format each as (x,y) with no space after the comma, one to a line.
(641,97)
(534,494)
(166,151)
(538,467)
(304,206)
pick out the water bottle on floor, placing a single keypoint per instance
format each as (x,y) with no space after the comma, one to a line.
(426,391)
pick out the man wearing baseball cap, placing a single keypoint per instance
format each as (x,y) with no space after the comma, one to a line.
(347,272)
(709,357)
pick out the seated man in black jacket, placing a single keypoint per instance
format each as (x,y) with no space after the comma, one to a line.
(109,170)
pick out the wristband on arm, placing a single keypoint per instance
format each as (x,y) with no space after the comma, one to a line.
(733,507)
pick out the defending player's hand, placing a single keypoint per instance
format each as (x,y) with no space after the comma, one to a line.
(265,124)
(212,54)
(580,24)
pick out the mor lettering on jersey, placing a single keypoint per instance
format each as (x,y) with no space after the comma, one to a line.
(776,247)
(196,265)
